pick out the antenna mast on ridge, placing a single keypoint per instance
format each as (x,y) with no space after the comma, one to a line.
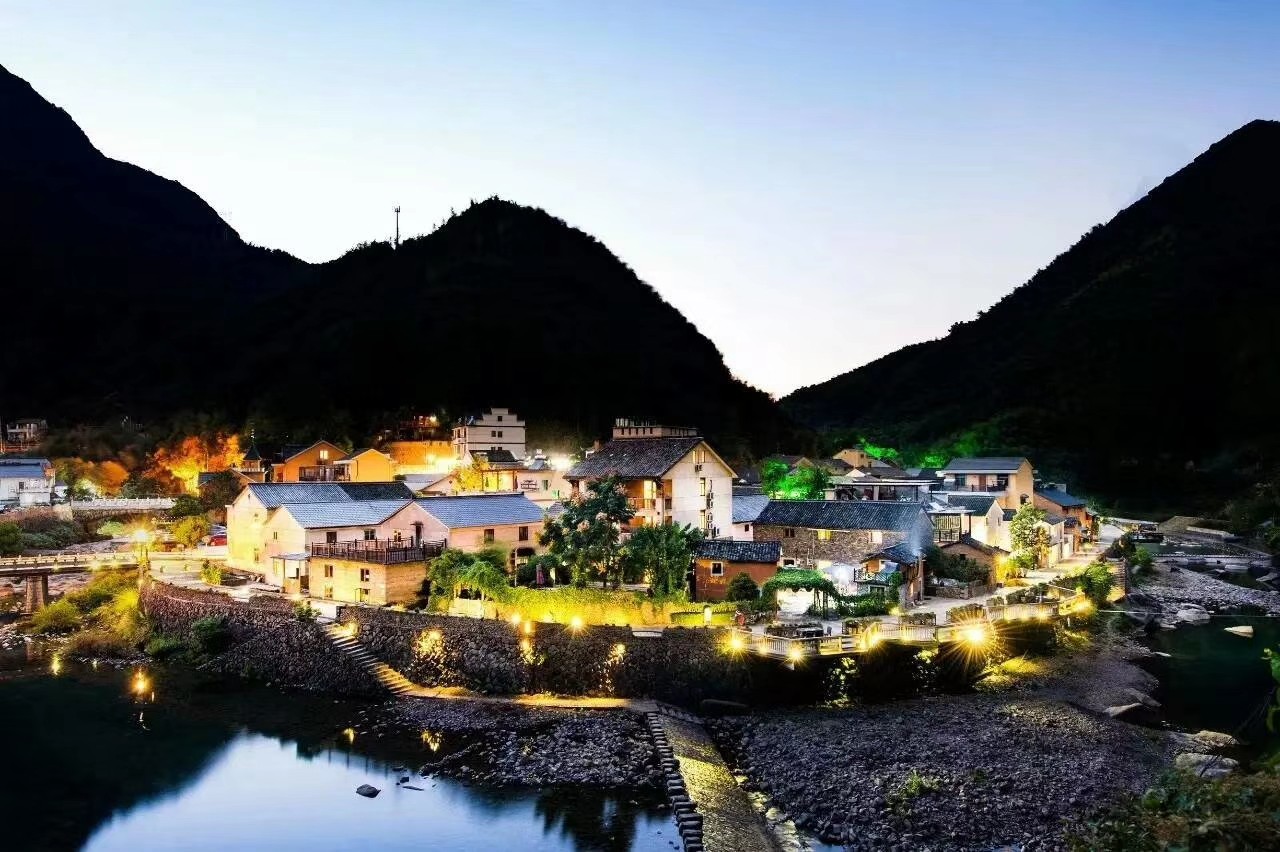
(396,244)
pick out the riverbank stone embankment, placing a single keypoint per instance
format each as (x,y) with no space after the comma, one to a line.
(954,773)
(527,746)
(265,641)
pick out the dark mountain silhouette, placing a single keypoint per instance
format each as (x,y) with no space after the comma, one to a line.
(1145,359)
(127,294)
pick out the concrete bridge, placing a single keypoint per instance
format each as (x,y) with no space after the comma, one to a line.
(34,571)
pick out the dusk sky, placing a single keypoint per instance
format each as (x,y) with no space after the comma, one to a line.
(814,185)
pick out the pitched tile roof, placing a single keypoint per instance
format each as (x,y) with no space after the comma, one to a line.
(356,513)
(634,458)
(23,468)
(276,494)
(766,552)
(977,503)
(1061,498)
(482,510)
(984,464)
(970,541)
(747,507)
(841,514)
(902,552)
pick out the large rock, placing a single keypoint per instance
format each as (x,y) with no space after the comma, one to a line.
(1205,765)
(1215,740)
(1122,709)
(368,791)
(1192,614)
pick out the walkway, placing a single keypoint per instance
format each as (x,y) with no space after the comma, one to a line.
(729,822)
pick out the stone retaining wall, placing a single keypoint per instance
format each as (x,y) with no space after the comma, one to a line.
(683,666)
(267,641)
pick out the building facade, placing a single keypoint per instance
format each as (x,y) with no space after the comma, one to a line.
(26,482)
(496,429)
(1010,479)
(717,561)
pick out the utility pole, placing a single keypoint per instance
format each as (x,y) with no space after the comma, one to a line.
(396,244)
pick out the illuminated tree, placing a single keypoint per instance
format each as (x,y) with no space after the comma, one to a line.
(469,478)
(587,535)
(1029,538)
(663,552)
(190,530)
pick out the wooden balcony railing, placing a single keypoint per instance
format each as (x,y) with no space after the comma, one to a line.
(377,551)
(324,473)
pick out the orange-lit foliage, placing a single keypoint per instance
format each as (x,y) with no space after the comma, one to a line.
(104,477)
(186,459)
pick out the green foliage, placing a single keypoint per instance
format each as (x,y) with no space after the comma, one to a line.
(1273,709)
(861,606)
(190,530)
(1096,581)
(211,573)
(797,579)
(111,529)
(219,491)
(1186,812)
(1143,561)
(303,611)
(453,570)
(100,643)
(10,539)
(58,617)
(140,486)
(1030,540)
(185,506)
(801,483)
(742,588)
(210,635)
(592,605)
(954,566)
(912,787)
(162,647)
(587,538)
(663,553)
(100,590)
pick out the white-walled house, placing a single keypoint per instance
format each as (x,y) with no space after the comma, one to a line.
(746,508)
(1011,479)
(496,429)
(26,482)
(472,522)
(675,478)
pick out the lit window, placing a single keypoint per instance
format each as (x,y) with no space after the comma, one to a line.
(824,535)
(702,486)
(328,592)
(324,455)
(328,573)
(717,569)
(877,537)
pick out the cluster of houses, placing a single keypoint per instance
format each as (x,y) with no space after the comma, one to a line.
(361,526)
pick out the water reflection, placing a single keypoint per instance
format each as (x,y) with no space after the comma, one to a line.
(96,763)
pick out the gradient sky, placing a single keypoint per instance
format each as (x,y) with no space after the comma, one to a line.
(813,184)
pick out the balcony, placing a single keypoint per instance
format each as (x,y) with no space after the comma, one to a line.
(324,473)
(377,551)
(643,504)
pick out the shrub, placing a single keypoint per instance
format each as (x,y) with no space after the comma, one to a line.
(210,634)
(189,530)
(859,606)
(211,573)
(58,617)
(165,646)
(742,588)
(111,529)
(1143,560)
(303,611)
(966,612)
(10,539)
(102,589)
(99,643)
(39,541)
(1096,581)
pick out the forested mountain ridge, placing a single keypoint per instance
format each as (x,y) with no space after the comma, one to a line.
(1143,360)
(129,296)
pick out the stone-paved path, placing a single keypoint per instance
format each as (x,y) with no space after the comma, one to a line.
(730,823)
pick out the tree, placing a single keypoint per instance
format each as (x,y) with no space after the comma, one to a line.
(138,485)
(1143,560)
(10,539)
(190,530)
(771,475)
(804,482)
(664,553)
(469,478)
(219,491)
(185,506)
(1030,540)
(586,536)
(742,588)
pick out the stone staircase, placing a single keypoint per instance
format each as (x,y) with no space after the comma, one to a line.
(392,680)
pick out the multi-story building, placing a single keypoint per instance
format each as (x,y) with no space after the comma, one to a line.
(26,482)
(670,476)
(1010,479)
(496,429)
(22,435)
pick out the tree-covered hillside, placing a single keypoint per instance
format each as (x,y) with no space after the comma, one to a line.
(1143,362)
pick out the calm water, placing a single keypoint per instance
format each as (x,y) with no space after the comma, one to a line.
(1216,680)
(88,764)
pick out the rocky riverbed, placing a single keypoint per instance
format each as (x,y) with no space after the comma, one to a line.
(528,746)
(950,773)
(1173,589)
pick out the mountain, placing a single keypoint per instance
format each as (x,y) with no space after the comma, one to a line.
(1143,361)
(128,295)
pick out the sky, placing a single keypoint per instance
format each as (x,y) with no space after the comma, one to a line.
(813,184)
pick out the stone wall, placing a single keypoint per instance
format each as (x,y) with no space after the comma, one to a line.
(267,641)
(683,666)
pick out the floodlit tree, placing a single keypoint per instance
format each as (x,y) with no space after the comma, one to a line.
(663,552)
(803,482)
(469,478)
(1029,538)
(190,530)
(587,535)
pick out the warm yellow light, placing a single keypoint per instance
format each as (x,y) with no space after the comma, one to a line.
(350,734)
(526,645)
(141,536)
(619,651)
(575,623)
(736,643)
(895,610)
(975,635)
(1042,615)
(140,683)
(515,619)
(431,740)
(795,654)
(55,664)
(873,639)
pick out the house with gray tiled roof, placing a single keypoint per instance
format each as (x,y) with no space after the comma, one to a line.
(973,514)
(26,482)
(717,561)
(826,534)
(474,521)
(1079,523)
(1010,478)
(669,475)
(746,508)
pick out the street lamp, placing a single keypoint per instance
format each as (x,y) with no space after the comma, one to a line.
(142,545)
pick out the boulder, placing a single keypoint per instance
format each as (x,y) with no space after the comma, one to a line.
(1122,709)
(1215,740)
(368,791)
(1205,765)
(1192,614)
(1142,698)
(1244,630)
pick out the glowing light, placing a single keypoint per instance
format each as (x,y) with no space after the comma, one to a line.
(795,655)
(575,623)
(873,639)
(140,683)
(55,664)
(429,642)
(736,643)
(1042,615)
(431,740)
(975,634)
(528,628)
(350,734)
(141,536)
(526,646)
(895,610)
(515,619)
(619,651)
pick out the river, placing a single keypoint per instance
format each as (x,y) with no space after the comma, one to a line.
(95,759)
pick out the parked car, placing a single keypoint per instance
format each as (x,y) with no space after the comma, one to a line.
(217,540)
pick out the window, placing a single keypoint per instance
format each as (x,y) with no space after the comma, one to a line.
(331,537)
(324,456)
(499,418)
(499,433)
(328,573)
(717,569)
(877,537)
(746,527)
(364,575)
(275,536)
(788,563)
(523,534)
(362,595)
(328,592)
(488,536)
(824,535)
(1002,480)
(546,485)
(961,480)
(370,535)
(702,487)
(789,532)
